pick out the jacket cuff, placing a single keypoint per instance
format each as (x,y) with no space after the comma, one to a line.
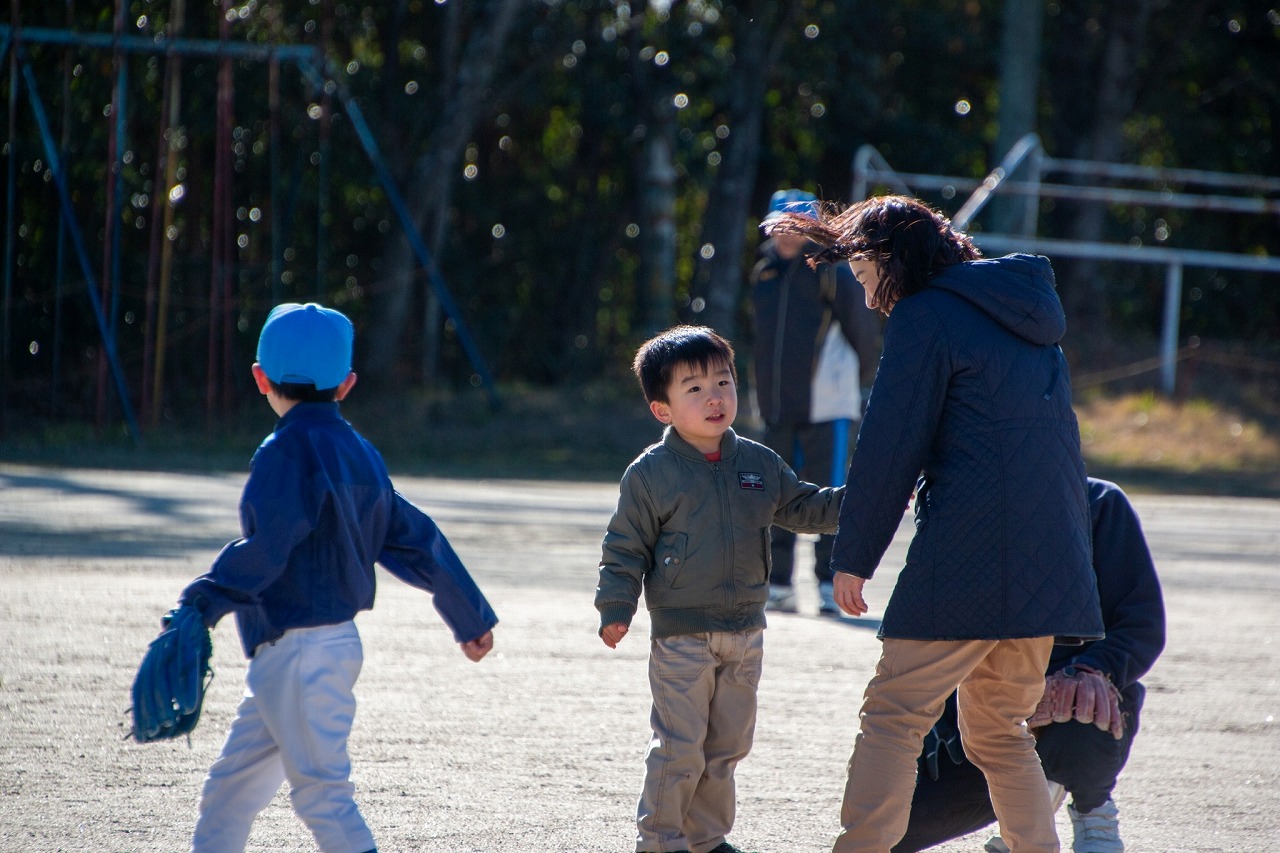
(616,612)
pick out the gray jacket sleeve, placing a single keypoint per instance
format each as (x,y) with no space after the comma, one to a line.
(804,507)
(627,552)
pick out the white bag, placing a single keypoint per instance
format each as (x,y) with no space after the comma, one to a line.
(836,391)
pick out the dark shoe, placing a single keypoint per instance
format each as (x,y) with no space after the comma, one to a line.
(725,847)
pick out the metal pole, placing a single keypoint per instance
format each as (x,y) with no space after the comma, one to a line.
(77,242)
(60,266)
(1019,152)
(1169,333)
(1031,206)
(218,228)
(867,161)
(11,225)
(120,114)
(325,92)
(401,208)
(275,184)
(170,145)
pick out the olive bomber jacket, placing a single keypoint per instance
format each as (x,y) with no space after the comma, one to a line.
(694,534)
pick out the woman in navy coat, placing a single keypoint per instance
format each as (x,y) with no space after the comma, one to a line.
(971,413)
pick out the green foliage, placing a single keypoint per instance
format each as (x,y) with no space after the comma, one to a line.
(540,247)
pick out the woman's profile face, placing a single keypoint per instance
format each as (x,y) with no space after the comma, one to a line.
(869,277)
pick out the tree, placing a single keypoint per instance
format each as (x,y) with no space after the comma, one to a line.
(472,48)
(1019,101)
(759,33)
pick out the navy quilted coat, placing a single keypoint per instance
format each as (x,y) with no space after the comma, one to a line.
(972,397)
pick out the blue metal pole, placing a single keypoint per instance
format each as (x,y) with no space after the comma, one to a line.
(116,202)
(181,46)
(370,144)
(11,206)
(77,242)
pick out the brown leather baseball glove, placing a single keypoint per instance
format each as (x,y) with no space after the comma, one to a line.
(1082,694)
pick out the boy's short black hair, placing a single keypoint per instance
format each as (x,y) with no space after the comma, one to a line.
(304,392)
(658,357)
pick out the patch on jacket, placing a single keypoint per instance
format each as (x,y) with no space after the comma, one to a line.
(748,480)
(765,275)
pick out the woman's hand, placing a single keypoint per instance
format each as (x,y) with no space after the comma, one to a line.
(848,593)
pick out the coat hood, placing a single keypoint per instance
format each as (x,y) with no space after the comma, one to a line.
(1017,291)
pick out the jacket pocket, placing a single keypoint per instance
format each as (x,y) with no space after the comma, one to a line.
(669,557)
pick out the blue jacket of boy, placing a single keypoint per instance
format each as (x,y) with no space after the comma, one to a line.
(317,512)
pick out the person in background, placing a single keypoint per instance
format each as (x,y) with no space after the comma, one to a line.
(1084,747)
(971,413)
(815,347)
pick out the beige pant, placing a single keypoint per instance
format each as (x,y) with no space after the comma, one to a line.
(1000,683)
(704,718)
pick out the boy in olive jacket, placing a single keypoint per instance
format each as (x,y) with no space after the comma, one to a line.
(692,530)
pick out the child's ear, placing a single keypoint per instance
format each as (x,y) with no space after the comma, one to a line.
(661,411)
(345,387)
(260,378)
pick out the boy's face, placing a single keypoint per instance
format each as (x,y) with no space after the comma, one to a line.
(789,246)
(701,404)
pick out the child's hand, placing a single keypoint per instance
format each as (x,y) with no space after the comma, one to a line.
(613,634)
(477,648)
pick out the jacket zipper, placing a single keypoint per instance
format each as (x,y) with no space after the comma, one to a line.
(726,523)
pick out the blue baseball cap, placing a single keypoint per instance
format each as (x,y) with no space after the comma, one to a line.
(792,201)
(306,344)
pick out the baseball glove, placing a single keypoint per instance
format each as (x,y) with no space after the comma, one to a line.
(1083,694)
(168,690)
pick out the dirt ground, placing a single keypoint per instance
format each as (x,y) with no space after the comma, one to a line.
(539,746)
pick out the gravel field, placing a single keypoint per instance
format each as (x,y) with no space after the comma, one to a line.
(539,747)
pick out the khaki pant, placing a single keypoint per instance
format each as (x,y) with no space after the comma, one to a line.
(704,719)
(1000,683)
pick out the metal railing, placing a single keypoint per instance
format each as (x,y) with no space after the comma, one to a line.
(871,169)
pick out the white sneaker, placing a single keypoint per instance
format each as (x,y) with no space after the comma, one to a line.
(1057,794)
(781,599)
(827,600)
(1097,831)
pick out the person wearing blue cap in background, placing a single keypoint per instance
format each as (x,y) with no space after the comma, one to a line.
(317,512)
(816,346)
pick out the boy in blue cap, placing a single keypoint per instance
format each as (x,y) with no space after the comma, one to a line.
(317,512)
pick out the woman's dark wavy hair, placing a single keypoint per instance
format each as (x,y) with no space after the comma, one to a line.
(905,238)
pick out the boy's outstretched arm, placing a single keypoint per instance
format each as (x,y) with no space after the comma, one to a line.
(417,553)
(479,647)
(612,634)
